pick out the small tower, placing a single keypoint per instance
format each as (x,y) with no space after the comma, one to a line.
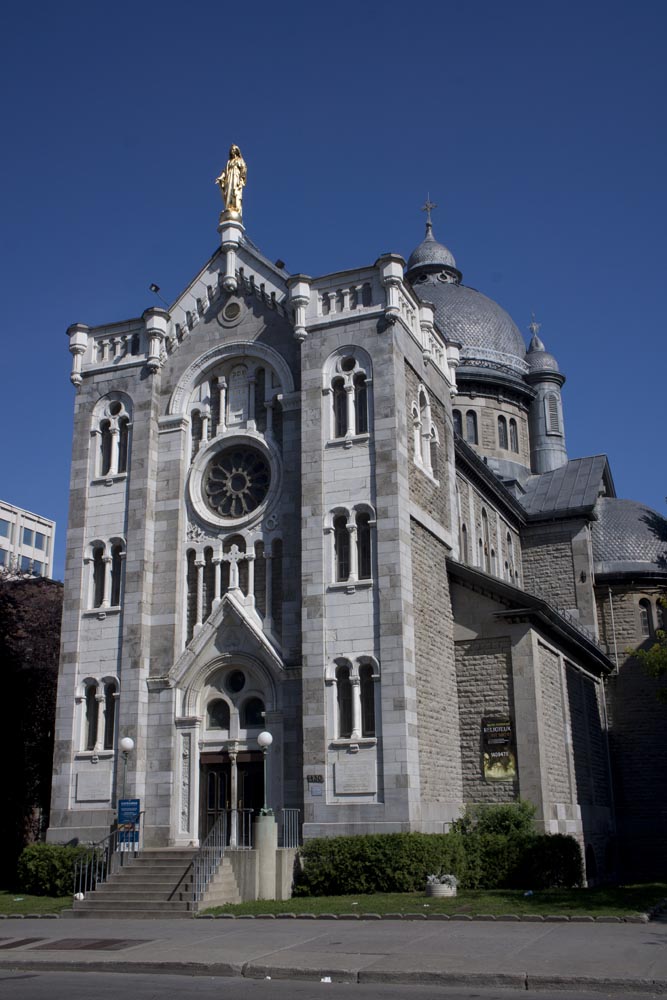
(545,417)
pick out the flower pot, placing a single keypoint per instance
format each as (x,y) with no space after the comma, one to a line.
(438,891)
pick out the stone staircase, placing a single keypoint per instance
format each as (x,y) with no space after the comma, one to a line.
(156,884)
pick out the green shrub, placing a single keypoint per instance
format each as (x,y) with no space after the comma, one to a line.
(400,862)
(509,819)
(47,869)
(550,861)
(393,862)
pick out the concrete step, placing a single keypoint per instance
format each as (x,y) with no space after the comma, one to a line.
(122,904)
(134,914)
(168,892)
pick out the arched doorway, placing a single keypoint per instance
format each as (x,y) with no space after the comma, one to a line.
(231,787)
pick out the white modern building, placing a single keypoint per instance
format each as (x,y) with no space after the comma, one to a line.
(26,541)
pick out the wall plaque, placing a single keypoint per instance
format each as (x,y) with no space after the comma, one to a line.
(93,786)
(498,754)
(354,777)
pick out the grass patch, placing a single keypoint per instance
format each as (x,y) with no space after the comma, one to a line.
(607,901)
(20,902)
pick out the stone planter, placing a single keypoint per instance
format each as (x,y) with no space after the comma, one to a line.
(438,891)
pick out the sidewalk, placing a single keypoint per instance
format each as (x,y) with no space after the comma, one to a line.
(594,956)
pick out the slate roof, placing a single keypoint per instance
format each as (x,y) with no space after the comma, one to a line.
(628,538)
(574,486)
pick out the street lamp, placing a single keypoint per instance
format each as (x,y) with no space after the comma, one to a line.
(127,746)
(265,740)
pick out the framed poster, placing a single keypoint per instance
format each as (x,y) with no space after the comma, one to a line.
(498,754)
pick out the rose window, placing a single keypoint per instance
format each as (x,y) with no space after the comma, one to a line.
(236,482)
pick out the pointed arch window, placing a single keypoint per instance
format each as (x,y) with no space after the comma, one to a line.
(502,433)
(471,427)
(367,695)
(341,548)
(361,403)
(487,541)
(464,544)
(514,436)
(458,422)
(364,561)
(344,702)
(92,714)
(645,618)
(110,698)
(98,575)
(339,407)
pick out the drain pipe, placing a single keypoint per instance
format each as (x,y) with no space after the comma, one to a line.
(613,628)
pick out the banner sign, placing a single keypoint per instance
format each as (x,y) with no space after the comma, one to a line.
(128,824)
(498,756)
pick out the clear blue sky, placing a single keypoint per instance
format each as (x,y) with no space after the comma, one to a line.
(538,128)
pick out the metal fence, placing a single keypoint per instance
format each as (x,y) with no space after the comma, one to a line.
(289,831)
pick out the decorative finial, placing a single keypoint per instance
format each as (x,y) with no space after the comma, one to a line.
(427,207)
(534,326)
(231,183)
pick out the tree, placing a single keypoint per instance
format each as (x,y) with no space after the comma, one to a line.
(654,659)
(30,613)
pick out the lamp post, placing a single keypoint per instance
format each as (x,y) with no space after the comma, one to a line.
(265,740)
(127,746)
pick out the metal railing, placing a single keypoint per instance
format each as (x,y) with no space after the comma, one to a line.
(289,832)
(106,857)
(207,859)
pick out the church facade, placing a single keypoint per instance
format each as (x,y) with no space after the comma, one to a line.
(341,510)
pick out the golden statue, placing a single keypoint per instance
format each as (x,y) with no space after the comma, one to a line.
(232,181)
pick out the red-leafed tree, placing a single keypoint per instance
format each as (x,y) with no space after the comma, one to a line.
(30,613)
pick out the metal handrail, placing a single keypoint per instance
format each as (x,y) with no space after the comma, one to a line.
(207,859)
(106,857)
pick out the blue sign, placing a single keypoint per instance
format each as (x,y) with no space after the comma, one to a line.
(128,810)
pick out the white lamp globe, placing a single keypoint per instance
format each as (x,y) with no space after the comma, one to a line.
(265,740)
(127,744)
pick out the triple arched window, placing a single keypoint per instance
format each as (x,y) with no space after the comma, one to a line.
(104,560)
(353,684)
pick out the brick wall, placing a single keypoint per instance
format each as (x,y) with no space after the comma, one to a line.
(548,566)
(554,727)
(484,678)
(437,706)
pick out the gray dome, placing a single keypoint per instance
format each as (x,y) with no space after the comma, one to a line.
(484,330)
(628,538)
(538,358)
(430,252)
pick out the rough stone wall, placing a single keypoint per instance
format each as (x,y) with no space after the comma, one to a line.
(637,720)
(424,489)
(437,701)
(589,747)
(471,503)
(484,679)
(554,727)
(548,566)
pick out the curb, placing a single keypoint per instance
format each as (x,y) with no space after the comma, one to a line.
(506,980)
(554,918)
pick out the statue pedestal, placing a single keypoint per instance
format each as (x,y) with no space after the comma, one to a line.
(231,230)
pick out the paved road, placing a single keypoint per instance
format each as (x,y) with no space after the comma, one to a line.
(524,956)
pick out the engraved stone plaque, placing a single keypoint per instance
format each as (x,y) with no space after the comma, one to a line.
(93,786)
(354,776)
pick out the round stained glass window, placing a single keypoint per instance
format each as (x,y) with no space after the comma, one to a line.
(236,482)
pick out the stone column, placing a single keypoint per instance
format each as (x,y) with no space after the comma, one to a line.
(265,831)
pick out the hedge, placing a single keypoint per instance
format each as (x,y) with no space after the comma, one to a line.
(48,869)
(400,862)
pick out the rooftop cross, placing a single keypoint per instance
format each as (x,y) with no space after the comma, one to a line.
(534,326)
(426,207)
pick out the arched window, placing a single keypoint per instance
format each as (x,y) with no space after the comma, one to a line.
(113,436)
(98,575)
(458,423)
(510,556)
(464,544)
(364,546)
(339,407)
(348,381)
(487,541)
(252,715)
(341,547)
(424,432)
(367,695)
(645,618)
(91,717)
(110,697)
(502,432)
(552,413)
(217,715)
(514,436)
(344,702)
(471,427)
(117,554)
(361,403)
